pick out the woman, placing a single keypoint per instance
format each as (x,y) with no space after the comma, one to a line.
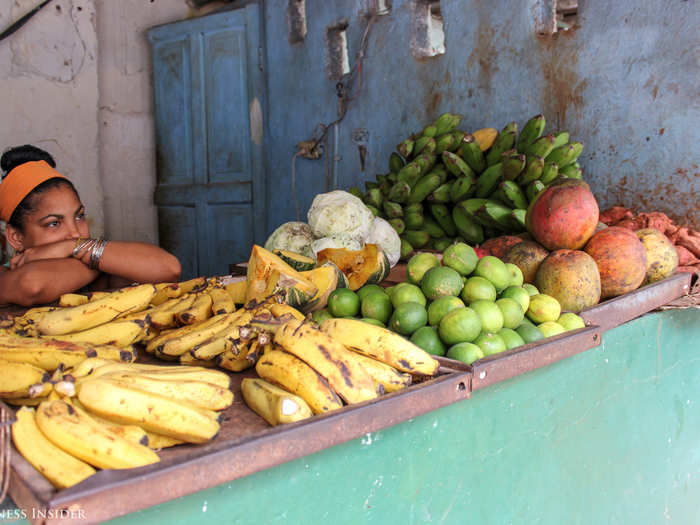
(54,254)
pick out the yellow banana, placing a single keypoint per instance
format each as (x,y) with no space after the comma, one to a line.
(26,401)
(235,362)
(152,412)
(330,359)
(281,310)
(167,291)
(49,354)
(295,376)
(72,299)
(272,403)
(133,433)
(93,368)
(60,468)
(22,380)
(188,359)
(387,376)
(116,333)
(222,302)
(215,345)
(198,393)
(94,313)
(167,335)
(185,343)
(158,441)
(382,345)
(198,312)
(73,430)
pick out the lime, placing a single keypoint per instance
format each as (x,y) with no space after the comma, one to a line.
(440,281)
(407,293)
(551,328)
(321,315)
(489,314)
(513,313)
(531,288)
(418,265)
(459,325)
(428,339)
(439,307)
(519,294)
(373,321)
(529,332)
(461,257)
(478,288)
(493,269)
(343,302)
(390,289)
(465,352)
(511,338)
(569,320)
(543,308)
(377,305)
(516,274)
(368,289)
(490,343)
(408,317)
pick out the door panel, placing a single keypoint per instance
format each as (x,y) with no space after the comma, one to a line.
(171,84)
(227,106)
(206,76)
(230,234)
(178,231)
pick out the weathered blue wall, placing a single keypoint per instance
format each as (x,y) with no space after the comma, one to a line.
(624,81)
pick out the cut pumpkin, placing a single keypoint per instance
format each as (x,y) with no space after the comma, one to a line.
(268,275)
(367,266)
(326,278)
(299,262)
(237,291)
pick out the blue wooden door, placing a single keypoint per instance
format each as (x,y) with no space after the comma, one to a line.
(208,89)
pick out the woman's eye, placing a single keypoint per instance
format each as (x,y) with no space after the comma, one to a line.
(80,216)
(52,224)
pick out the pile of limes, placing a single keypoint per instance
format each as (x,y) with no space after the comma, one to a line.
(463,307)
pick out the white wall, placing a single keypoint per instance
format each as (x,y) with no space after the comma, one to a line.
(76,81)
(48,77)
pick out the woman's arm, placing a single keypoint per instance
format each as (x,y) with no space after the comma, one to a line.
(138,262)
(130,261)
(43,281)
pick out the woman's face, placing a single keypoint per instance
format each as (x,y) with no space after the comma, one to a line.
(59,216)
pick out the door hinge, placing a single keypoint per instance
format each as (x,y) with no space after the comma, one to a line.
(260,58)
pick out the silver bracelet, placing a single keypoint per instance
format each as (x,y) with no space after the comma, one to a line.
(87,244)
(96,253)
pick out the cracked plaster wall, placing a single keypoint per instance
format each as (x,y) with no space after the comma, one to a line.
(48,74)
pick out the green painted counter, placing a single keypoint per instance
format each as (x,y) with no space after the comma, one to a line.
(611,435)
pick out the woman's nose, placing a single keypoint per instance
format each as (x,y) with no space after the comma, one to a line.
(73,232)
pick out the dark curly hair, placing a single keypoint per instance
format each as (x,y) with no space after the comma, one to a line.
(14,157)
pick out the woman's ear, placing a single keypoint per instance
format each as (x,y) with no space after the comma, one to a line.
(14,237)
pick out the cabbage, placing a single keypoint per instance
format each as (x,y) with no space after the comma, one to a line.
(339,212)
(338,240)
(383,234)
(293,236)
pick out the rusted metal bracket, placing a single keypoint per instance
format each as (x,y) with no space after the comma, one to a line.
(619,310)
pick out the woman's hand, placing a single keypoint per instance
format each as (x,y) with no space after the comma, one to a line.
(54,250)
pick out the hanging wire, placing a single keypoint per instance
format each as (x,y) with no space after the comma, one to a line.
(342,89)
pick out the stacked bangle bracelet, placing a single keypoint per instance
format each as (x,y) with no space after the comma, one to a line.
(95,247)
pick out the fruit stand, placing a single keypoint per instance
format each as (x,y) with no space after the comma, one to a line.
(396,426)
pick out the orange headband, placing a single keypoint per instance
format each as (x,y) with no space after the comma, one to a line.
(20,182)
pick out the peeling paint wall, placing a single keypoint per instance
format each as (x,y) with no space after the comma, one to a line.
(48,74)
(624,82)
(126,126)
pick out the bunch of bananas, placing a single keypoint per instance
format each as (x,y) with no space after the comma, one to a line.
(445,184)
(311,369)
(106,414)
